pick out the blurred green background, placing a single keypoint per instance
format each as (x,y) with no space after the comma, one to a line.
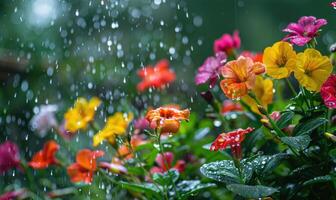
(52,51)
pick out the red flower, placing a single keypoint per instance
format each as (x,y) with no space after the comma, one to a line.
(328,92)
(165,163)
(42,159)
(256,57)
(84,167)
(156,77)
(227,43)
(9,156)
(230,106)
(232,139)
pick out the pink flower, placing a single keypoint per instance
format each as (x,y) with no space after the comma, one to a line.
(227,43)
(333,4)
(44,120)
(141,123)
(328,91)
(209,71)
(165,163)
(9,156)
(304,31)
(17,194)
(275,115)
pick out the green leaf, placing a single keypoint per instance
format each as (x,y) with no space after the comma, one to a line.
(250,191)
(309,125)
(201,133)
(135,171)
(332,154)
(319,179)
(264,165)
(147,145)
(226,172)
(192,187)
(285,119)
(298,142)
(148,188)
(167,178)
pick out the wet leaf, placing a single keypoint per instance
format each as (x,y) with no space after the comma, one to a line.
(299,142)
(308,126)
(249,191)
(263,165)
(319,179)
(148,188)
(191,187)
(285,119)
(167,178)
(226,172)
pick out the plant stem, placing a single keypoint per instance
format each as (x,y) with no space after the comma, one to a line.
(30,178)
(101,171)
(291,87)
(238,166)
(158,133)
(278,131)
(305,97)
(95,126)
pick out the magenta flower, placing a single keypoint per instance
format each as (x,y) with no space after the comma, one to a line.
(209,71)
(304,31)
(9,156)
(227,43)
(328,92)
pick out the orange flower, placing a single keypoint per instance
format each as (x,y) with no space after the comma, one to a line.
(167,119)
(239,76)
(45,157)
(124,150)
(156,77)
(230,106)
(256,57)
(84,167)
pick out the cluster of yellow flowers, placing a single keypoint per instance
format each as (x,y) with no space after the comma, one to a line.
(310,68)
(82,114)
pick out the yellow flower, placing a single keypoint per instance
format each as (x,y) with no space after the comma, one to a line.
(279,60)
(81,114)
(115,125)
(263,90)
(312,69)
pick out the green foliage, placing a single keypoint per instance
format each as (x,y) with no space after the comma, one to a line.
(298,142)
(309,125)
(285,119)
(249,191)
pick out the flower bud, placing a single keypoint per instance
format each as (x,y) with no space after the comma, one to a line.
(262,110)
(207,96)
(330,136)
